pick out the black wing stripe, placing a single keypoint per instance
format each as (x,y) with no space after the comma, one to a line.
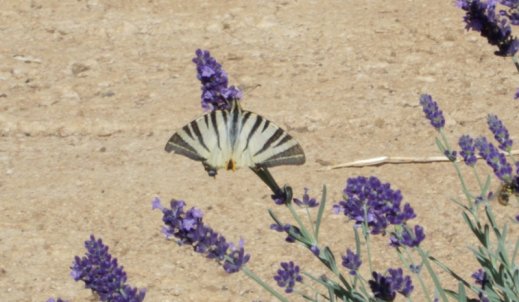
(255,127)
(267,123)
(187,131)
(196,130)
(206,120)
(245,118)
(234,124)
(291,156)
(285,139)
(215,126)
(224,115)
(271,140)
(177,144)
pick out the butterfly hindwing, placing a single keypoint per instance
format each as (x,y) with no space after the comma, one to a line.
(264,144)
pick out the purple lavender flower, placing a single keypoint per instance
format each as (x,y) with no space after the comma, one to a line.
(368,200)
(351,261)
(500,132)
(102,274)
(236,258)
(513,11)
(215,93)
(279,197)
(479,200)
(468,150)
(481,16)
(494,159)
(408,237)
(54,300)
(307,201)
(189,229)
(386,287)
(287,276)
(415,268)
(315,250)
(451,155)
(432,111)
(287,228)
(516,95)
(480,277)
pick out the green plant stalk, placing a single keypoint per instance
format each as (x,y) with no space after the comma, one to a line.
(311,223)
(320,214)
(313,289)
(301,225)
(365,233)
(452,273)
(476,174)
(434,277)
(406,262)
(458,172)
(258,280)
(362,282)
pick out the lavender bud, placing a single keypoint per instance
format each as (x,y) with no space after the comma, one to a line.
(102,274)
(468,149)
(351,261)
(500,132)
(432,111)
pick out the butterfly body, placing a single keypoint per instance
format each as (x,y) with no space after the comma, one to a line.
(235,138)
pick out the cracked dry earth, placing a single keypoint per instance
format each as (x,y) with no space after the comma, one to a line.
(90,91)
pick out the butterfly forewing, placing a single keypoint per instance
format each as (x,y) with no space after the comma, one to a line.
(199,140)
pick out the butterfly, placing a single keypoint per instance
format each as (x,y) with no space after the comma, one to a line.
(234,138)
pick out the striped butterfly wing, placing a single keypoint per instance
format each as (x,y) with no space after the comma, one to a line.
(204,139)
(262,143)
(242,138)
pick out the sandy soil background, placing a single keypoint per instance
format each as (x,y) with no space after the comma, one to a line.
(90,91)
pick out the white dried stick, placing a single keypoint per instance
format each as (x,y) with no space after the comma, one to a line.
(381,160)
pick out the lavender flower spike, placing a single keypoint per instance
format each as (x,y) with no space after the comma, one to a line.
(189,229)
(287,276)
(369,201)
(481,16)
(54,300)
(432,111)
(500,132)
(215,93)
(513,11)
(468,150)
(494,159)
(386,286)
(102,274)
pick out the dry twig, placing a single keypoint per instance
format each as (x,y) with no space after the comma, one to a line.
(382,160)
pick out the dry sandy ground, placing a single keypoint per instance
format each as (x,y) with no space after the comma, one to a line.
(90,91)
